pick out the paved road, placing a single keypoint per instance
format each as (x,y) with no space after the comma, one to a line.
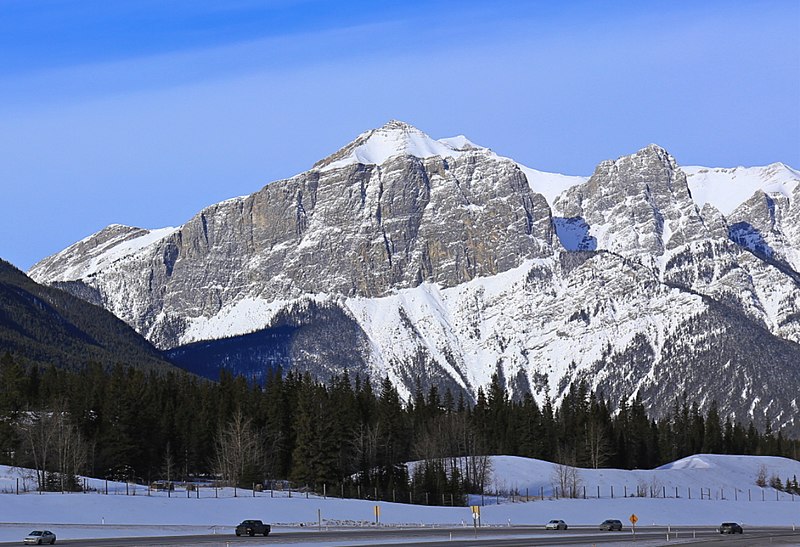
(447,537)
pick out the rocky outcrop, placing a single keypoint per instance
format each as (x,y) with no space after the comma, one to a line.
(768,225)
(636,205)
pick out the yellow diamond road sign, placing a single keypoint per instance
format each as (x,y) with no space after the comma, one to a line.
(634,519)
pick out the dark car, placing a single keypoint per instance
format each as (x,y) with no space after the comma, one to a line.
(40,537)
(611,525)
(252,527)
(730,528)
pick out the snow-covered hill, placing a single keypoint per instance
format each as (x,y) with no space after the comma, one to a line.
(441,262)
(725,480)
(727,477)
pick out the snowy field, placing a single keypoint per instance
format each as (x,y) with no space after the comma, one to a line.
(725,481)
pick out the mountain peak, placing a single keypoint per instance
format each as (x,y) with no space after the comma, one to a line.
(658,153)
(397,125)
(652,154)
(654,148)
(394,138)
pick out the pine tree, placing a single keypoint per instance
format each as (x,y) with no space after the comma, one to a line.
(12,385)
(713,440)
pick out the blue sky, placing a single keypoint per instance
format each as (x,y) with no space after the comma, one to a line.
(143,112)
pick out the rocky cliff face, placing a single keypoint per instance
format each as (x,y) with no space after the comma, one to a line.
(343,228)
(641,207)
(637,205)
(437,264)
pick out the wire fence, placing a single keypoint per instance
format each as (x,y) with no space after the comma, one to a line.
(720,493)
(285,489)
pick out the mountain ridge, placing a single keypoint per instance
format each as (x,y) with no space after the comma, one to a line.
(47,326)
(447,267)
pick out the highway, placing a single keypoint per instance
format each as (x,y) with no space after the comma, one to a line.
(441,537)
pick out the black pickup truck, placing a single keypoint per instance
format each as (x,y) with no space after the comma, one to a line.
(252,527)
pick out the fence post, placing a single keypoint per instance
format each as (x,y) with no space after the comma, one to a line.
(664,491)
(612,491)
(676,492)
(625,488)
(690,492)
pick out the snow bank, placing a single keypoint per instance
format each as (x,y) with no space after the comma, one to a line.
(94,514)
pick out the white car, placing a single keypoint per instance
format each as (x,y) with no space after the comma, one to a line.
(556,525)
(40,537)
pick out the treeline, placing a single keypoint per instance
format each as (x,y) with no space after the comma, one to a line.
(127,424)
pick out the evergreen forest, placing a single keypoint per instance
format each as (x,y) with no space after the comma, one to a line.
(347,435)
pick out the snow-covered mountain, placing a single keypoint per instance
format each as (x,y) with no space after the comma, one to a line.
(441,262)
